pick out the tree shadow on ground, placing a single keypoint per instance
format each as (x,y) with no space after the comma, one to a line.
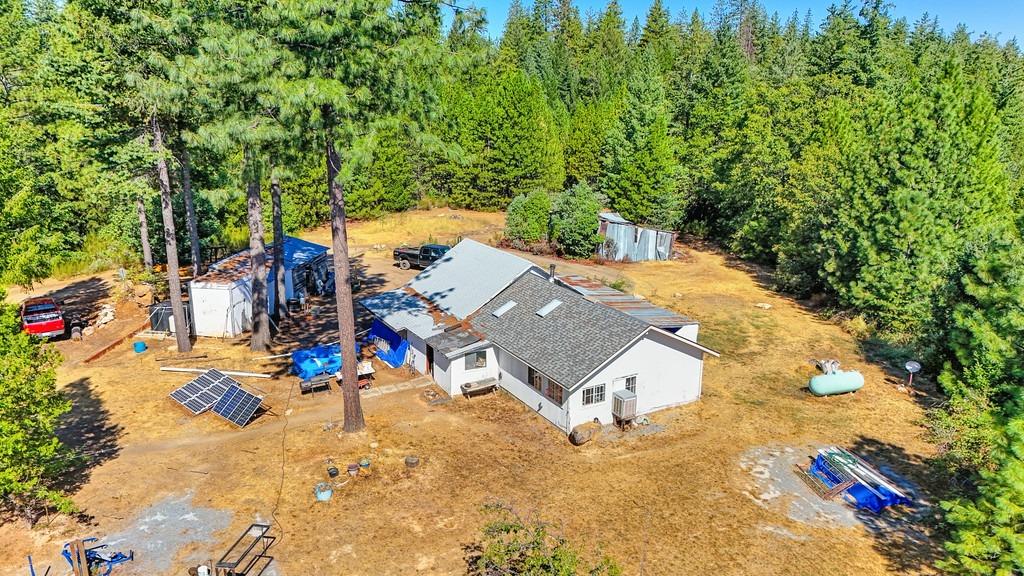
(906,536)
(318,323)
(89,432)
(82,298)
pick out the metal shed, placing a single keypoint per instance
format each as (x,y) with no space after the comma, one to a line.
(221,299)
(629,242)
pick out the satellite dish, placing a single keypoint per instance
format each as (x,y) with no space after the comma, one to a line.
(913,366)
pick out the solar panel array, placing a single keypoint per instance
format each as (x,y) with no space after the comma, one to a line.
(200,394)
(237,405)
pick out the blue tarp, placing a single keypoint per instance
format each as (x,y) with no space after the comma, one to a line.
(397,347)
(323,359)
(862,496)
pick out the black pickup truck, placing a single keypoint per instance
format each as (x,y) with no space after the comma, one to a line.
(419,257)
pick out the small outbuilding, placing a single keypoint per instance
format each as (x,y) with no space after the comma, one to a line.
(221,299)
(629,242)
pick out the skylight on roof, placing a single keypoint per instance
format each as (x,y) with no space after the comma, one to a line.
(504,308)
(547,308)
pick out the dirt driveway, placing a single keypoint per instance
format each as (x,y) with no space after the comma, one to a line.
(679,501)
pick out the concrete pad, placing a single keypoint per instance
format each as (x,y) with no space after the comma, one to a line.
(371,393)
(404,385)
(388,389)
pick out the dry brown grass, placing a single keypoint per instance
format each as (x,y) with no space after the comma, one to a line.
(669,503)
(442,225)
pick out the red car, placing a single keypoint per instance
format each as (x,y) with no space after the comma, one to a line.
(42,317)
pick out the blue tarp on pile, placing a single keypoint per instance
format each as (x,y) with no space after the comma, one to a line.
(397,347)
(876,498)
(323,359)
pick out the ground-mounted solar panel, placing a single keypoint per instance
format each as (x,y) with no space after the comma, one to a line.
(199,395)
(237,405)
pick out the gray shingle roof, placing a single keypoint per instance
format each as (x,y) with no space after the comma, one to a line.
(569,342)
(469,275)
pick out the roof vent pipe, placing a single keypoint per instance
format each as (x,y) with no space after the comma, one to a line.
(551,273)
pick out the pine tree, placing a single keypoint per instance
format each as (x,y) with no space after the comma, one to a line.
(925,182)
(335,96)
(607,55)
(384,183)
(639,169)
(521,31)
(988,532)
(513,141)
(585,136)
(568,52)
(660,36)
(32,458)
(181,331)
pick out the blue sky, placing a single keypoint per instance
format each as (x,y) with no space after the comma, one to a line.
(1002,17)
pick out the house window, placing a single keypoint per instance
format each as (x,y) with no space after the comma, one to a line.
(476,360)
(554,392)
(631,383)
(535,379)
(546,386)
(593,395)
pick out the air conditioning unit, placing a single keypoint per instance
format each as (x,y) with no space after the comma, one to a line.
(624,405)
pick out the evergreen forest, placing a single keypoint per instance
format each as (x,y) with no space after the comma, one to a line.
(871,163)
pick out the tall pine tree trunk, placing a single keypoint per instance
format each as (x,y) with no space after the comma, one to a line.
(181,329)
(147,249)
(190,210)
(260,340)
(280,305)
(342,286)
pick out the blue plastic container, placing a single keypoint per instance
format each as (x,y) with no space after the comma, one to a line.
(323,492)
(139,347)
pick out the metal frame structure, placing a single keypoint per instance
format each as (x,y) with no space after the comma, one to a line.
(248,551)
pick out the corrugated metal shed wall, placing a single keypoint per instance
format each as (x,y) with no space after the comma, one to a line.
(632,243)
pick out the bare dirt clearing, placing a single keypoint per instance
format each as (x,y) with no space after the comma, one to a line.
(675,502)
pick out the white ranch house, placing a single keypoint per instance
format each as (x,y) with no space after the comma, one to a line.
(571,349)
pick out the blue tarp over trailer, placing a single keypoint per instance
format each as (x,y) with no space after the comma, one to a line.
(323,359)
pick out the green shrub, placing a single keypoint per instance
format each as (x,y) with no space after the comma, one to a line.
(32,458)
(511,544)
(528,217)
(574,222)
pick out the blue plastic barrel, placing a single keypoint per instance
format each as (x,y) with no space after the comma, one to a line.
(139,347)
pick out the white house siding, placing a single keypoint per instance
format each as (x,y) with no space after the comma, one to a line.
(668,373)
(443,372)
(418,349)
(457,375)
(513,380)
